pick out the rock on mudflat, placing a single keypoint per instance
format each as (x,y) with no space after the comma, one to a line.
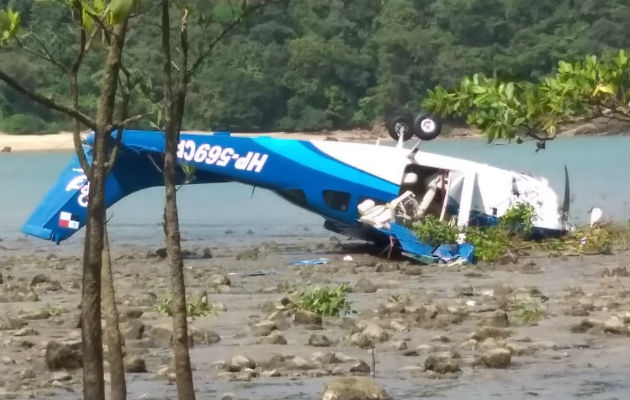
(364,285)
(441,364)
(318,340)
(274,337)
(132,329)
(354,388)
(240,362)
(496,358)
(374,331)
(304,317)
(615,325)
(263,328)
(219,280)
(59,355)
(135,364)
(497,319)
(8,323)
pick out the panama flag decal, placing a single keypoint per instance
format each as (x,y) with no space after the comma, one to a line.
(68,220)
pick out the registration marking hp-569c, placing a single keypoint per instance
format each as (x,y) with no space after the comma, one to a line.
(187,150)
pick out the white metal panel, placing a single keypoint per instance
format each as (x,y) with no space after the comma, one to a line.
(465,203)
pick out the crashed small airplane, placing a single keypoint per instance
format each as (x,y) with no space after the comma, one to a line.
(367,191)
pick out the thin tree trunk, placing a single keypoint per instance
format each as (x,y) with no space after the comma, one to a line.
(118,386)
(92,344)
(183,371)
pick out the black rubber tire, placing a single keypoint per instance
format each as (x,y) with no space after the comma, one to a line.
(400,124)
(426,126)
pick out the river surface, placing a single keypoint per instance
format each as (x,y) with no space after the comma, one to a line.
(599,168)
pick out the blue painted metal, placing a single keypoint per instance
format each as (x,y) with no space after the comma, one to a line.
(288,164)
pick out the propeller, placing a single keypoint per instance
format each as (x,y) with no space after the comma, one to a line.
(567,196)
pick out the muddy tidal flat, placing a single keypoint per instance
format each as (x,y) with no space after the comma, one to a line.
(535,326)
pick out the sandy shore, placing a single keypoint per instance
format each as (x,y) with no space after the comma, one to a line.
(18,143)
(435,328)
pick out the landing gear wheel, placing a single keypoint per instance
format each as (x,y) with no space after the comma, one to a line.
(400,125)
(427,127)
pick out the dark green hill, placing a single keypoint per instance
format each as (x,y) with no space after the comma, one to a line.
(311,65)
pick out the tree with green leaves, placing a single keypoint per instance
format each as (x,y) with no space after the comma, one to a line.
(227,16)
(584,89)
(89,17)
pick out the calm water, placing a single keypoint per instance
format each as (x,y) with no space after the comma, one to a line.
(599,168)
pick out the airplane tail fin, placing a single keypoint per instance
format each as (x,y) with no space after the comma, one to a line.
(63,211)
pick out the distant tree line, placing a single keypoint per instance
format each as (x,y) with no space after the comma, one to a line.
(316,65)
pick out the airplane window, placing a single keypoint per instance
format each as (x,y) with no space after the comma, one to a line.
(337,200)
(295,196)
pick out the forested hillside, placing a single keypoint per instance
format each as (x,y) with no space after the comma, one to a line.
(311,65)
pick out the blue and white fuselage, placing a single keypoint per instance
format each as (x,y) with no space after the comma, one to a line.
(329,178)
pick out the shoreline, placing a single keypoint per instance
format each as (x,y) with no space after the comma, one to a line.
(62,141)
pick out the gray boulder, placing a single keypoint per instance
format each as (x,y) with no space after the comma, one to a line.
(441,364)
(615,326)
(9,323)
(498,319)
(263,328)
(63,356)
(240,362)
(364,285)
(135,365)
(496,358)
(318,340)
(303,317)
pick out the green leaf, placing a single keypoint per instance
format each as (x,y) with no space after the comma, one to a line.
(509,90)
(477,89)
(120,10)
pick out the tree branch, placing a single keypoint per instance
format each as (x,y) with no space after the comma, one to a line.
(44,56)
(47,101)
(99,21)
(121,124)
(74,89)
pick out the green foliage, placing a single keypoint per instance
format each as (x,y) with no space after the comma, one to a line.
(494,241)
(597,240)
(9,25)
(197,306)
(530,311)
(519,218)
(23,124)
(590,240)
(505,110)
(120,10)
(433,231)
(490,243)
(326,301)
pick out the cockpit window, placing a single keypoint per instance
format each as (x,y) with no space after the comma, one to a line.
(337,200)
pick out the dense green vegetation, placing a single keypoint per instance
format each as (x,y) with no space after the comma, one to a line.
(306,65)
